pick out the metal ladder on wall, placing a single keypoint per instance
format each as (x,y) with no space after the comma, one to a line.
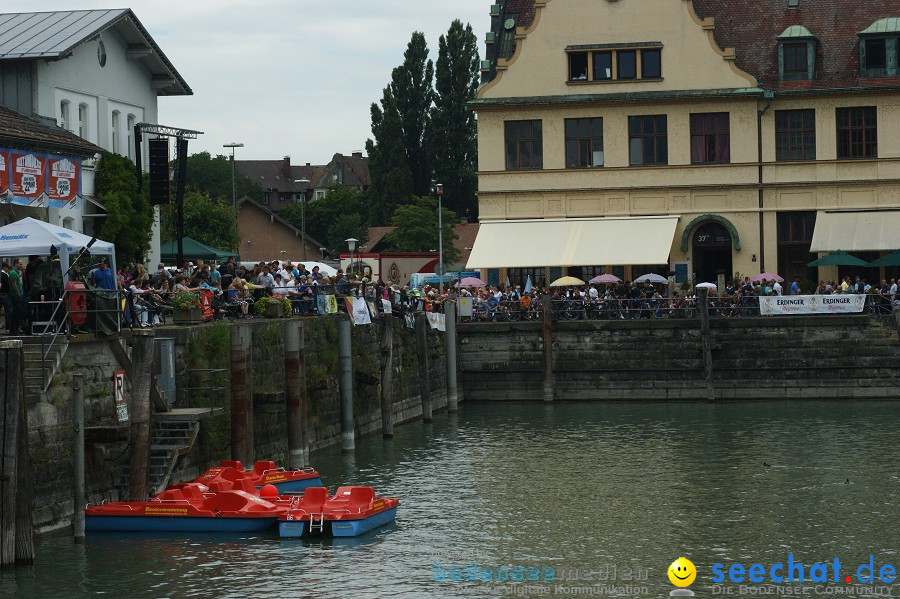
(317,525)
(170,440)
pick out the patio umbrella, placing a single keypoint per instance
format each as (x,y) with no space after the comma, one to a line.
(767,276)
(566,282)
(653,278)
(838,258)
(607,278)
(706,286)
(471,282)
(892,259)
(528,285)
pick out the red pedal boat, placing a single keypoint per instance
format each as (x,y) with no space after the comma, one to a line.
(263,473)
(351,512)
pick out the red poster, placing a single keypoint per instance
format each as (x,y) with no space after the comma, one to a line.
(28,177)
(64,181)
(4,173)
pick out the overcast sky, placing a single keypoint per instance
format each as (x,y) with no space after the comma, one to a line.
(285,77)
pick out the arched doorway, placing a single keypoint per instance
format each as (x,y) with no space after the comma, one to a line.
(711,252)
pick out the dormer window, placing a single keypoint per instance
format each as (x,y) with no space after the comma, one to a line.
(796,54)
(879,49)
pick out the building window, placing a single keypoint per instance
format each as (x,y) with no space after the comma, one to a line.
(602,66)
(320,195)
(795,231)
(651,64)
(710,138)
(578,66)
(524,145)
(82,121)
(857,132)
(795,135)
(114,131)
(795,59)
(626,62)
(584,143)
(130,135)
(601,63)
(647,140)
(876,54)
(64,115)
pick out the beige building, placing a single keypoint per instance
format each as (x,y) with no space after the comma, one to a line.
(755,136)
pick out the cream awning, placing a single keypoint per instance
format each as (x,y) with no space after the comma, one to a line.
(573,242)
(856,231)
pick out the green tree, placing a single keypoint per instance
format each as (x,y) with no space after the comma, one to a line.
(399,161)
(129,216)
(334,218)
(453,135)
(208,220)
(212,176)
(417,228)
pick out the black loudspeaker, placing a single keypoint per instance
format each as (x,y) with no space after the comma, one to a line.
(159,170)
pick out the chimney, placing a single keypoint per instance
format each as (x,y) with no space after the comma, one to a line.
(286,168)
(307,164)
(357,154)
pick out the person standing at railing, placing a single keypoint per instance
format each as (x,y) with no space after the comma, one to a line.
(5,301)
(104,278)
(17,297)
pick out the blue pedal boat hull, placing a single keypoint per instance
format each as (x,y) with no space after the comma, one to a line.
(293,486)
(288,529)
(176,524)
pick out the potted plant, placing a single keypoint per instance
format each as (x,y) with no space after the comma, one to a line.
(186,308)
(269,307)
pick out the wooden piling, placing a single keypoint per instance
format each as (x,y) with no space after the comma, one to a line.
(450,355)
(141,367)
(345,366)
(16,536)
(387,376)
(547,343)
(241,396)
(422,355)
(78,459)
(706,342)
(295,392)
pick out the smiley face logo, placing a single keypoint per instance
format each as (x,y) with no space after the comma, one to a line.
(682,572)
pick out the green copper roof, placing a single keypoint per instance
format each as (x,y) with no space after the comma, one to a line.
(795,31)
(888,25)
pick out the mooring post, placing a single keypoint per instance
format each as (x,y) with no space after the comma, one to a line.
(295,392)
(78,457)
(450,350)
(345,365)
(24,490)
(706,342)
(387,377)
(141,367)
(241,398)
(422,355)
(547,342)
(13,441)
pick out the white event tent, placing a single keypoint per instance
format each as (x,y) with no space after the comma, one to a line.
(30,236)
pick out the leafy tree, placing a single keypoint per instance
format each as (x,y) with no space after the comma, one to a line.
(208,220)
(129,216)
(398,157)
(334,218)
(212,176)
(453,136)
(417,228)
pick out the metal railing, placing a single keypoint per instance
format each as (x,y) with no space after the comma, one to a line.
(215,390)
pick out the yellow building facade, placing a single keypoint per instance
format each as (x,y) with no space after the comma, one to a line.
(600,109)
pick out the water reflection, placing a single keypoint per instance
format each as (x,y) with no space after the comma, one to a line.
(575,487)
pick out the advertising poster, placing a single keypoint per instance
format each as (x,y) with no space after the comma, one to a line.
(28,179)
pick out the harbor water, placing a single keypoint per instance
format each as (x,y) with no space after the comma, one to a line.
(579,498)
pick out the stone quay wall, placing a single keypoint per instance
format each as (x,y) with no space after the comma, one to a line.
(814,357)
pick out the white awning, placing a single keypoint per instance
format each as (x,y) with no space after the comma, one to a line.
(573,242)
(856,231)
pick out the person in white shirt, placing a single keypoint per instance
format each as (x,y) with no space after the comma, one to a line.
(777,288)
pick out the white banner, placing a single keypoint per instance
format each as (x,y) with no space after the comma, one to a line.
(811,304)
(436,321)
(385,306)
(361,311)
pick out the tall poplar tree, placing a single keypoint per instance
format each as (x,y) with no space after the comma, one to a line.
(452,138)
(390,177)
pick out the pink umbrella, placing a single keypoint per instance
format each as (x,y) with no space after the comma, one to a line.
(607,278)
(471,282)
(767,276)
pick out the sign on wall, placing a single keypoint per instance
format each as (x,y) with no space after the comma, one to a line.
(39,180)
(811,304)
(119,394)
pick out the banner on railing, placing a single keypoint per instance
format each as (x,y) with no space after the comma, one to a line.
(811,304)
(39,180)
(360,310)
(437,321)
(327,304)
(386,306)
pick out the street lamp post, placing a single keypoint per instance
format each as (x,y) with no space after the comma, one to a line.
(439,190)
(351,243)
(303,220)
(233,145)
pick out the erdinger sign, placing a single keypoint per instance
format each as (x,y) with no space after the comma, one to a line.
(39,180)
(811,304)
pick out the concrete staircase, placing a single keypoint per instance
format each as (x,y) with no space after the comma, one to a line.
(170,440)
(38,375)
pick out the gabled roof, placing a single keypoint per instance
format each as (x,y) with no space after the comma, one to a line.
(466,233)
(275,218)
(271,174)
(54,35)
(18,131)
(355,172)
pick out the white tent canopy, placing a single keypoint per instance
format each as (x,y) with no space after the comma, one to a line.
(30,236)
